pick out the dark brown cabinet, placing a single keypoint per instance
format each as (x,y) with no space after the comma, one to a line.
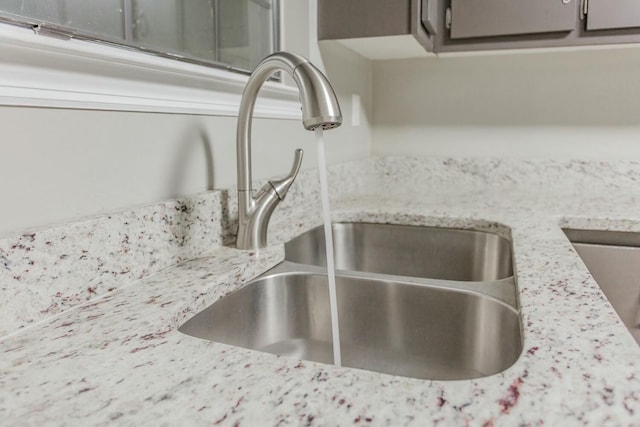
(490,18)
(357,19)
(441,26)
(612,14)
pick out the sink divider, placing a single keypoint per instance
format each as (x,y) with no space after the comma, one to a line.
(503,290)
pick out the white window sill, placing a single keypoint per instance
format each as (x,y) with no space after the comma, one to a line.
(42,71)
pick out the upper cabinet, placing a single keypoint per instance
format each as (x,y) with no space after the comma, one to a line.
(378,29)
(490,18)
(612,14)
(381,29)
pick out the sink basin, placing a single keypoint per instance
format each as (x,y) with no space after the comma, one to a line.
(420,302)
(613,259)
(405,329)
(427,252)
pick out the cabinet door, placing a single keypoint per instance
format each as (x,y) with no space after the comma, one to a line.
(613,14)
(487,18)
(343,19)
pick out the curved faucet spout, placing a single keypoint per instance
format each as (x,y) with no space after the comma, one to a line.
(320,108)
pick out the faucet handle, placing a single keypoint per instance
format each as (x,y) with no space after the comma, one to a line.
(281,186)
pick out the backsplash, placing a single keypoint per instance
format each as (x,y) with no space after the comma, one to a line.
(49,271)
(46,272)
(430,173)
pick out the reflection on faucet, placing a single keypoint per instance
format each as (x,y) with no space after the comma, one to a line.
(319,109)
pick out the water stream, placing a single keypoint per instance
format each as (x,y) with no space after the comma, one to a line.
(331,271)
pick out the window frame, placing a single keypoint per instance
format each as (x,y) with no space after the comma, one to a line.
(40,68)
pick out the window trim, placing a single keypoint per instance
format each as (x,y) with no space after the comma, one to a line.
(39,69)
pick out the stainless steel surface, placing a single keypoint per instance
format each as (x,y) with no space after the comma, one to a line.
(436,253)
(395,328)
(616,238)
(397,315)
(616,269)
(319,109)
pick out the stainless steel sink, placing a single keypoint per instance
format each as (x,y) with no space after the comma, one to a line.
(613,259)
(395,328)
(436,253)
(420,302)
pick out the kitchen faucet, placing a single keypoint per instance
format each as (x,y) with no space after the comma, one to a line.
(319,109)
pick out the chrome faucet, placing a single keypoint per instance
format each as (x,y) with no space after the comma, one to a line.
(319,109)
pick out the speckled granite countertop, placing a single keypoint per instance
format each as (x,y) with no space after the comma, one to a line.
(119,360)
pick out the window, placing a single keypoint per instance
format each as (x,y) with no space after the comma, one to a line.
(187,56)
(232,33)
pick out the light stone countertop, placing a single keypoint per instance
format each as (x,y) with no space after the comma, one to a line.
(119,359)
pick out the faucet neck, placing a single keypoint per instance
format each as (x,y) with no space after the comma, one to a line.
(319,108)
(281,61)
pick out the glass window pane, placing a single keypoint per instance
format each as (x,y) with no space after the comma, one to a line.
(245,31)
(198,31)
(155,24)
(236,33)
(41,10)
(104,17)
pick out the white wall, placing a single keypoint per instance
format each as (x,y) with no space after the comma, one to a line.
(59,165)
(560,104)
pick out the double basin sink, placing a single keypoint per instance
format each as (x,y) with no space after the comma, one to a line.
(421,302)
